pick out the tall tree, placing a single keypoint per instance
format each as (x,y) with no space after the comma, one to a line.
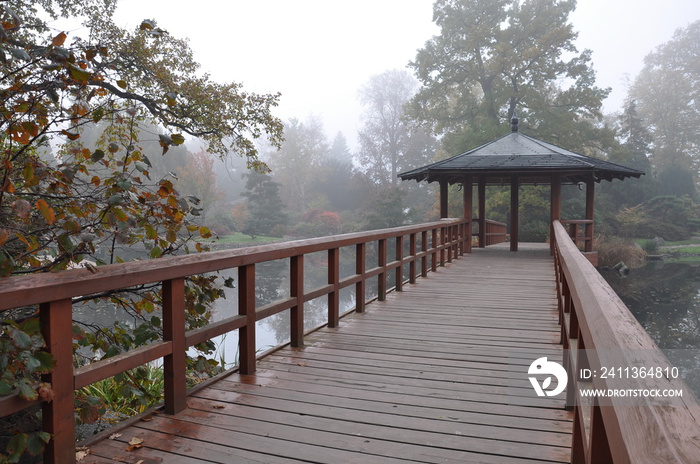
(389,143)
(265,208)
(667,91)
(496,57)
(634,152)
(95,194)
(296,163)
(340,149)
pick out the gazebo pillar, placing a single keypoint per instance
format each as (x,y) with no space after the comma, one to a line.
(590,209)
(444,212)
(555,207)
(468,209)
(514,216)
(482,212)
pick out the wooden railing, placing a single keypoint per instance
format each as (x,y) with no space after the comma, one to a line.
(494,232)
(429,245)
(599,334)
(580,231)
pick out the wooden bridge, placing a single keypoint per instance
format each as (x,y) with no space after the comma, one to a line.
(436,371)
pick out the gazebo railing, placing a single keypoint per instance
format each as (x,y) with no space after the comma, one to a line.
(494,232)
(580,231)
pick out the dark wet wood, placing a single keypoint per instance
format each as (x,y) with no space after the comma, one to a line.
(436,373)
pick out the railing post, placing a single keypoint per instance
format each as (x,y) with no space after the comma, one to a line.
(424,249)
(175,364)
(599,447)
(296,314)
(434,243)
(399,258)
(443,245)
(412,266)
(578,449)
(58,415)
(381,262)
(334,279)
(360,268)
(246,307)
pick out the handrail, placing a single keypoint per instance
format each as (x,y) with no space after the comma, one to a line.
(495,232)
(598,331)
(440,242)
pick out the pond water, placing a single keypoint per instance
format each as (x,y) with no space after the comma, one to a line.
(665,299)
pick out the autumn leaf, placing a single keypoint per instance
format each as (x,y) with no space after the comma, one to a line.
(59,39)
(204,232)
(8,187)
(4,235)
(46,211)
(81,453)
(134,444)
(70,135)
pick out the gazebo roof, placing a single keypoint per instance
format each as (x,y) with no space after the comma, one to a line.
(516,154)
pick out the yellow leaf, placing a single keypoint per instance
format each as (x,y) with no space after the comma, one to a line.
(121,83)
(46,211)
(204,232)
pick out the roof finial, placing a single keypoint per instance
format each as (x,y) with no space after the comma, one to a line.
(514,123)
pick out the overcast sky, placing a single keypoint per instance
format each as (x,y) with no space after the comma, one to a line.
(318,53)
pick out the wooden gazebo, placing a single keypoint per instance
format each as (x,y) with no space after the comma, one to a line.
(518,159)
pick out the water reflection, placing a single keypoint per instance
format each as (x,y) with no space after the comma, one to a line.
(665,299)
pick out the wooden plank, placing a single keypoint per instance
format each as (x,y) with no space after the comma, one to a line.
(305,390)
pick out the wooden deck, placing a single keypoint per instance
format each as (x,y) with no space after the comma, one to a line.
(435,374)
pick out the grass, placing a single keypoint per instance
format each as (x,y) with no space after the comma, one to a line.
(694,250)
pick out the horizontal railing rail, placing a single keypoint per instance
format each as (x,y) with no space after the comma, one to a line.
(599,334)
(429,246)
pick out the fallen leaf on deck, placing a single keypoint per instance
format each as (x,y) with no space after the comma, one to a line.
(147,419)
(302,364)
(80,453)
(218,406)
(114,436)
(134,444)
